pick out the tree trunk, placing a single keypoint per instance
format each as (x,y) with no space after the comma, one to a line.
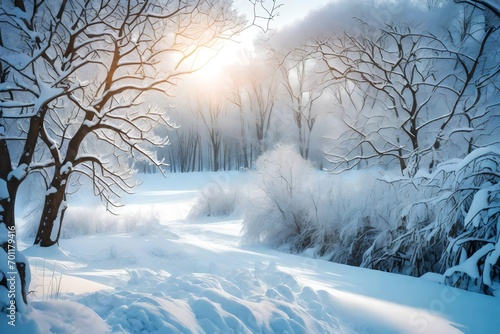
(18,267)
(52,214)
(6,204)
(243,139)
(216,157)
(15,269)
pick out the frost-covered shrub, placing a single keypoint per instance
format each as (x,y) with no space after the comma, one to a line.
(446,222)
(366,207)
(405,247)
(294,207)
(452,229)
(279,211)
(356,236)
(472,212)
(216,199)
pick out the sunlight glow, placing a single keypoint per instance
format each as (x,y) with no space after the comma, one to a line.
(210,63)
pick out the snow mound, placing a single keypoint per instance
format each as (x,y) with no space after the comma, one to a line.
(53,252)
(57,317)
(263,300)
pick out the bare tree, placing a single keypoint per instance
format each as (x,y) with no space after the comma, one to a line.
(115,53)
(236,98)
(133,53)
(261,88)
(491,5)
(471,94)
(185,141)
(303,87)
(386,68)
(23,102)
(211,111)
(417,89)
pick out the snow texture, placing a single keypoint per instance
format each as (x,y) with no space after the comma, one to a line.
(19,173)
(66,168)
(193,276)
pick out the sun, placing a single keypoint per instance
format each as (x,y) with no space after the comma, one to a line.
(211,63)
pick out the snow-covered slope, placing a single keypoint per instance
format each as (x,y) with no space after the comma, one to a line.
(168,274)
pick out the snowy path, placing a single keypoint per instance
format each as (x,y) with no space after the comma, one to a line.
(178,276)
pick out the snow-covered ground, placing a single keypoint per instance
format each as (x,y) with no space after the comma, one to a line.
(162,273)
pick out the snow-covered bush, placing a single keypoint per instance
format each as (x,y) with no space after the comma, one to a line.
(406,246)
(279,211)
(452,229)
(446,222)
(217,198)
(297,208)
(470,220)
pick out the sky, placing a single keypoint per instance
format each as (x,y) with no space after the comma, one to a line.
(297,19)
(291,12)
(294,10)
